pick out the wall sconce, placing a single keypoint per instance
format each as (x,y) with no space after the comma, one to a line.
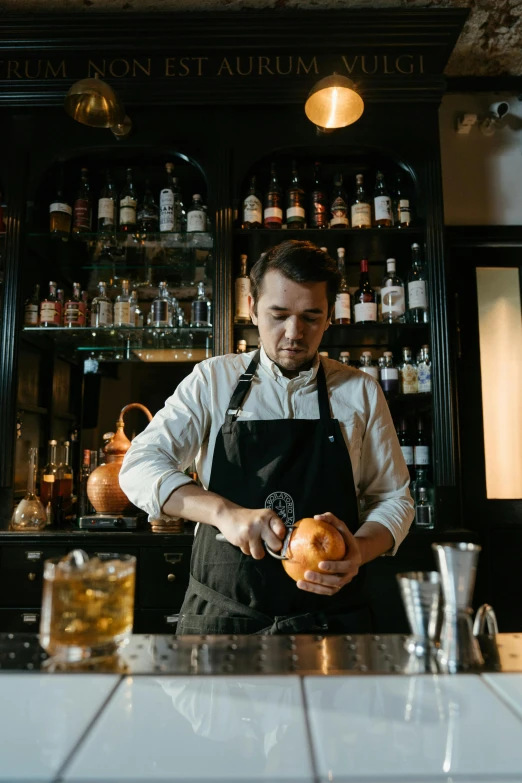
(93,102)
(333,103)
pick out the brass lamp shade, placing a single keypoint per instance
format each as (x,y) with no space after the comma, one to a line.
(334,103)
(93,102)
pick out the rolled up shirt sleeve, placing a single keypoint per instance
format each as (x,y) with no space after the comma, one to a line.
(155,463)
(383,487)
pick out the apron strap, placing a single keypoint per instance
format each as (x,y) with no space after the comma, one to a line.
(322,390)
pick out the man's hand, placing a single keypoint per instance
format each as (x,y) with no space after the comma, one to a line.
(339,572)
(248,528)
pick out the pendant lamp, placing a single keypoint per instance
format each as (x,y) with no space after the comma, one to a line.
(93,102)
(333,103)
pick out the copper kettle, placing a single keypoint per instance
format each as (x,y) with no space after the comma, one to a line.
(103,486)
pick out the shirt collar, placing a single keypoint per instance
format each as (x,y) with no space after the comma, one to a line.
(305,376)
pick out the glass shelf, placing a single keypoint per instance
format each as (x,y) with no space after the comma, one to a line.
(202,239)
(331,232)
(110,330)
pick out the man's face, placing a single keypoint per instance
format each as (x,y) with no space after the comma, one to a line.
(292,318)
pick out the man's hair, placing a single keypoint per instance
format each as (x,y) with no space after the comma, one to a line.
(302,262)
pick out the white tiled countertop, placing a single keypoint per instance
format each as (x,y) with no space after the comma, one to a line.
(84,728)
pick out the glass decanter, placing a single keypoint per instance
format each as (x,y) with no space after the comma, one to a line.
(30,513)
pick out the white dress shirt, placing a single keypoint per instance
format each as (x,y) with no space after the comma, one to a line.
(186,429)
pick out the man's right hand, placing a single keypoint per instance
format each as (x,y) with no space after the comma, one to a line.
(248,528)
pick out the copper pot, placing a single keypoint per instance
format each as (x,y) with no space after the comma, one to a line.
(103,486)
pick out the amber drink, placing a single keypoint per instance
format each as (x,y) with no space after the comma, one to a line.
(87,606)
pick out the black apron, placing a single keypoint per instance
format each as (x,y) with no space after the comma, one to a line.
(298,467)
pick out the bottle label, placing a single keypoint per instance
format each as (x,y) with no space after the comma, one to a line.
(242,293)
(365,311)
(166,210)
(407,453)
(48,478)
(74,314)
(339,211)
(196,220)
(160,313)
(424,516)
(404,211)
(361,216)
(371,370)
(417,295)
(422,455)
(383,208)
(82,214)
(200,312)
(31,315)
(390,374)
(49,313)
(424,377)
(57,206)
(393,299)
(104,315)
(342,307)
(122,314)
(409,379)
(127,210)
(274,214)
(295,213)
(106,209)
(252,210)
(318,211)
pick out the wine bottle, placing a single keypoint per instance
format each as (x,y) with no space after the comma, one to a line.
(382,203)
(365,301)
(252,207)
(295,201)
(342,311)
(273,209)
(318,215)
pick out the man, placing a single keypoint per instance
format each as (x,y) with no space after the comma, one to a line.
(278,434)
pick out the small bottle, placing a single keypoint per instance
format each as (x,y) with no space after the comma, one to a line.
(344,358)
(421,450)
(60,214)
(367,365)
(319,208)
(402,205)
(32,308)
(47,481)
(128,205)
(74,312)
(64,481)
(101,307)
(273,207)
(393,300)
(339,205)
(424,498)
(161,309)
(166,202)
(424,370)
(365,301)
(196,217)
(408,373)
(136,311)
(382,203)
(84,505)
(342,310)
(361,207)
(82,211)
(201,308)
(122,307)
(242,291)
(241,346)
(107,204)
(50,308)
(389,375)
(417,289)
(252,207)
(406,446)
(295,201)
(147,217)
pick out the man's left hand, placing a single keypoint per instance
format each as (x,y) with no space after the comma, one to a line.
(337,572)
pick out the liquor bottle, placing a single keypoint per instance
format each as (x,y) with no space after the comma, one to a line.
(84,505)
(47,481)
(136,311)
(32,308)
(242,291)
(147,217)
(60,214)
(365,301)
(344,358)
(295,202)
(201,308)
(361,207)
(82,211)
(64,482)
(342,311)
(161,309)
(128,205)
(393,302)
(424,498)
(318,215)
(75,307)
(402,211)
(196,216)
(406,446)
(179,212)
(382,204)
(417,289)
(273,211)
(107,206)
(252,207)
(122,308)
(51,308)
(241,346)
(166,202)
(366,365)
(424,370)
(408,373)
(339,205)
(101,307)
(388,375)
(421,450)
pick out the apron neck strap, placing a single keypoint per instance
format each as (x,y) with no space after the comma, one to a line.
(322,390)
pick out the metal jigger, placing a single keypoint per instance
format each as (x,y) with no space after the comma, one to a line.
(420,592)
(459,649)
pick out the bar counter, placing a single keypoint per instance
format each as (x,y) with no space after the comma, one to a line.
(293,709)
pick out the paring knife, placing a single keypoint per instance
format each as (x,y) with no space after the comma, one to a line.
(286,541)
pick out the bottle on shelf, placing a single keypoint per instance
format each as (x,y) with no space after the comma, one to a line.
(84,505)
(196,216)
(406,446)
(424,370)
(365,300)
(51,308)
(242,292)
(64,482)
(393,301)
(128,204)
(382,204)
(402,211)
(295,201)
(136,311)
(241,346)
(101,307)
(60,213)
(424,498)
(319,207)
(252,207)
(421,451)
(273,205)
(107,206)
(408,373)
(32,308)
(161,309)
(166,201)
(82,210)
(342,310)
(122,307)
(361,207)
(366,365)
(339,205)
(417,289)
(74,311)
(344,358)
(201,308)
(47,481)
(147,216)
(30,512)
(388,375)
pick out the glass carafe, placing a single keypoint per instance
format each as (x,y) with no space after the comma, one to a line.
(30,514)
